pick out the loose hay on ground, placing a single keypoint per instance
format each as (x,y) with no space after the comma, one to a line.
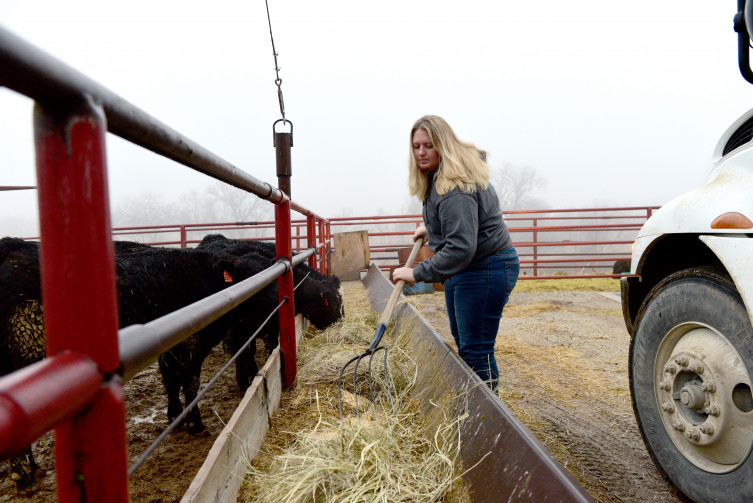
(569,284)
(397,458)
(567,359)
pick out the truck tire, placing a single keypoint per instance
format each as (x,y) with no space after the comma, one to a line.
(691,362)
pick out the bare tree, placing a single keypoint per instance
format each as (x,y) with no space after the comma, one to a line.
(147,208)
(515,187)
(198,207)
(237,205)
(345,211)
(218,203)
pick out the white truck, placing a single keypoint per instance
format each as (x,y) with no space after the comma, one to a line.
(688,310)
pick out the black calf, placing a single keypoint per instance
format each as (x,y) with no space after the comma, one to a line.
(317,297)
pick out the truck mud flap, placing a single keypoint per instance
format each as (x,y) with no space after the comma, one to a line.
(509,463)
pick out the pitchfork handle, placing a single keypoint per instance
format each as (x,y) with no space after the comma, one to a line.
(387,314)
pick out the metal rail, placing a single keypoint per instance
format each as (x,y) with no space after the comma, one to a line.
(15,187)
(567,239)
(34,73)
(141,345)
(72,115)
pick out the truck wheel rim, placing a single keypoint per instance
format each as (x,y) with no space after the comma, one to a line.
(703,393)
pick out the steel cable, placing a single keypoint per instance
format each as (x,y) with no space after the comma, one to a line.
(278,80)
(135,466)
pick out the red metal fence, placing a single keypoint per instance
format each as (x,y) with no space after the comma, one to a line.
(187,235)
(552,244)
(78,388)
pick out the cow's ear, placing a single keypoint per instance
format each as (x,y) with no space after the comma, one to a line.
(227,267)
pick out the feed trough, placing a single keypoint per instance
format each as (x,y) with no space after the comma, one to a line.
(500,459)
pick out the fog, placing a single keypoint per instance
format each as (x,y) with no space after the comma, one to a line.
(611,103)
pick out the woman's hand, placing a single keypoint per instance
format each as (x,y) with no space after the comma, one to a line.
(420,234)
(404,273)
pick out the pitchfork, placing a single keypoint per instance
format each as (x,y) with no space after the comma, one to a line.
(374,347)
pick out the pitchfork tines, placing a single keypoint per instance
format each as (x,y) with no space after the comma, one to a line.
(374,347)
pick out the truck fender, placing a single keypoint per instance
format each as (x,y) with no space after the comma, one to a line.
(736,254)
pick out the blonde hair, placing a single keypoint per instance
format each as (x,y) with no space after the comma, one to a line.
(462,165)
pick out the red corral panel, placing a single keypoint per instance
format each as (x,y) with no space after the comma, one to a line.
(39,396)
(285,290)
(79,292)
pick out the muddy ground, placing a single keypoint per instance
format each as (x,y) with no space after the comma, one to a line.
(563,363)
(168,472)
(563,366)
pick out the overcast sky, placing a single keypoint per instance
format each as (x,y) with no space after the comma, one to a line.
(614,103)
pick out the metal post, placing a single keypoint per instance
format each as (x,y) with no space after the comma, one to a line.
(283,241)
(535,250)
(79,293)
(183,236)
(285,289)
(323,250)
(329,248)
(311,237)
(282,143)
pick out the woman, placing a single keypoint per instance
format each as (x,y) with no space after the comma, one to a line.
(473,252)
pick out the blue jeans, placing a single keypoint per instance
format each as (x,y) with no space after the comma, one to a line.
(475,298)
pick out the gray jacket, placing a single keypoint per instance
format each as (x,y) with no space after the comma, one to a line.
(462,228)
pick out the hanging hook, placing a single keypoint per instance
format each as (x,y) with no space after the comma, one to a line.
(274,133)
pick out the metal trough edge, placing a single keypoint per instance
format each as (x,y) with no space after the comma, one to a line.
(510,464)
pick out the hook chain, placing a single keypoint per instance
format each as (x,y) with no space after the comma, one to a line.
(278,80)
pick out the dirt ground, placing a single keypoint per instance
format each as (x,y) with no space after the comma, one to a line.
(563,363)
(563,360)
(167,473)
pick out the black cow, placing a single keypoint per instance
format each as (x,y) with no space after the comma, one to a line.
(317,297)
(151,282)
(21,330)
(237,247)
(22,340)
(157,282)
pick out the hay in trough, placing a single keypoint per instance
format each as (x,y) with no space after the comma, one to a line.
(392,460)
(397,458)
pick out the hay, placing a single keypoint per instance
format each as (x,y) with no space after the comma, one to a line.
(392,460)
(573,379)
(570,284)
(397,458)
(524,311)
